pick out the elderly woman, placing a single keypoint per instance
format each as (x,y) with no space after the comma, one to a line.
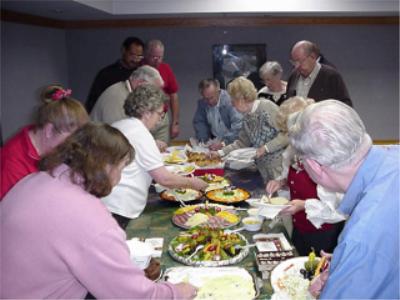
(259,128)
(275,88)
(59,239)
(56,118)
(316,222)
(144,106)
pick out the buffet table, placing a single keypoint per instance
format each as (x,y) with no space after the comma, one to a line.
(156,222)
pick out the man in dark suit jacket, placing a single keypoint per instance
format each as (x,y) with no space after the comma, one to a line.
(312,79)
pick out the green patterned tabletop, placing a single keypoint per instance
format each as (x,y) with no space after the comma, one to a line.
(155,221)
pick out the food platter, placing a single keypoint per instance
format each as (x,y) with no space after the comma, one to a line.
(216,283)
(228,195)
(202,159)
(212,215)
(178,195)
(287,281)
(215,247)
(215,181)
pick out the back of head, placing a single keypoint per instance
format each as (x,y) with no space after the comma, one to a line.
(145,98)
(59,109)
(147,74)
(288,107)
(242,88)
(272,68)
(87,152)
(329,132)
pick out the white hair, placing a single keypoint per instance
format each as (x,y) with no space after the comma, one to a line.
(147,74)
(329,132)
(270,67)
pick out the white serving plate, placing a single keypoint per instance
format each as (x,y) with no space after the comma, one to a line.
(200,276)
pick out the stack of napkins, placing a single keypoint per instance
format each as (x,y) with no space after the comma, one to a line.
(241,158)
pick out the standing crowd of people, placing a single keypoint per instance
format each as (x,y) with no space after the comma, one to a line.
(70,186)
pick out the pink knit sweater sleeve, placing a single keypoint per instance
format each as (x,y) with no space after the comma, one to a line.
(106,271)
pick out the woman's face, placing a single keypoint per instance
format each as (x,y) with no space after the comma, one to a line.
(271,81)
(114,171)
(240,105)
(154,117)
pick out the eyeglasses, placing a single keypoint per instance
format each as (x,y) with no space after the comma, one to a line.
(161,114)
(159,57)
(298,62)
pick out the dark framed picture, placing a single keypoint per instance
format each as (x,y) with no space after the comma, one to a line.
(233,60)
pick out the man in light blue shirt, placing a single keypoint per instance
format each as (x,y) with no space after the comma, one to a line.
(337,153)
(215,116)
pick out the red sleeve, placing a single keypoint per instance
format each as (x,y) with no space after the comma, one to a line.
(170,83)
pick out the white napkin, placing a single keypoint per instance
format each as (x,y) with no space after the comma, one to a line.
(241,158)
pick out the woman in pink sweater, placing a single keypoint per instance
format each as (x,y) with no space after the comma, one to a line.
(58,238)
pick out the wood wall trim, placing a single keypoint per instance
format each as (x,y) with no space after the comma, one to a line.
(224,21)
(15,17)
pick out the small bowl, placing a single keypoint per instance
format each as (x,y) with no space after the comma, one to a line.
(252,223)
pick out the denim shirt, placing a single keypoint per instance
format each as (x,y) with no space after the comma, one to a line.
(365,263)
(231,118)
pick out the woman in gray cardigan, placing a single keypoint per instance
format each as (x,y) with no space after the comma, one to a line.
(258,130)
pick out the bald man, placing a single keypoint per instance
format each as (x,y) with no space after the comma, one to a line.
(311,79)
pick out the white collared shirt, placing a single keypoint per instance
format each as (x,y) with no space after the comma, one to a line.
(304,83)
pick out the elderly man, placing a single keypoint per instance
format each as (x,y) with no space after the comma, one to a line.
(336,151)
(154,54)
(131,59)
(311,79)
(215,116)
(110,106)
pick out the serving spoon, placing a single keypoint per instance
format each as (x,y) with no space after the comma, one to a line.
(198,248)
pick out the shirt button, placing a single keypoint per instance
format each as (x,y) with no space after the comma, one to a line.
(292,182)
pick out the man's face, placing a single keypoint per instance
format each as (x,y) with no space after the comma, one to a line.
(304,63)
(155,56)
(133,56)
(321,175)
(211,95)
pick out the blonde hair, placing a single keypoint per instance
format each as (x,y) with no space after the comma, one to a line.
(288,107)
(65,113)
(242,88)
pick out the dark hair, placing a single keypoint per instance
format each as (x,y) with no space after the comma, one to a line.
(132,40)
(205,83)
(87,152)
(65,113)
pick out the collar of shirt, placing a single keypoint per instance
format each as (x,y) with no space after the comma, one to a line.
(255,106)
(364,175)
(32,152)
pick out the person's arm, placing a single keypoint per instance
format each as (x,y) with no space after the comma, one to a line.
(342,93)
(242,142)
(358,272)
(170,180)
(200,123)
(103,266)
(235,119)
(174,103)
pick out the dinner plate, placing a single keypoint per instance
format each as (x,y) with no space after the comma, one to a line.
(182,215)
(175,157)
(267,210)
(172,194)
(221,196)
(183,170)
(290,267)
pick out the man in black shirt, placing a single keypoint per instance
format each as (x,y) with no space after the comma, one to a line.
(131,59)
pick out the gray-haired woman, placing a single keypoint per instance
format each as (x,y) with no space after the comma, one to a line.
(275,88)
(144,107)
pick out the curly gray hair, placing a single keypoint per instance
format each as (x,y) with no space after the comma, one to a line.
(329,132)
(145,98)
